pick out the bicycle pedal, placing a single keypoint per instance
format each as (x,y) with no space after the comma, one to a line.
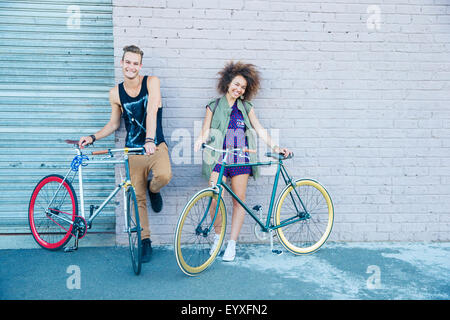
(70,249)
(257,207)
(92,208)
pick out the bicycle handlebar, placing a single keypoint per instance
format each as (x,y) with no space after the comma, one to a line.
(140,150)
(204,145)
(126,150)
(278,156)
(100,152)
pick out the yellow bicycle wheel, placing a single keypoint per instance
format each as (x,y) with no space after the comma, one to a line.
(304,216)
(195,232)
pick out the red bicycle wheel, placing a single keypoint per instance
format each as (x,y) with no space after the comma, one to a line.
(52,211)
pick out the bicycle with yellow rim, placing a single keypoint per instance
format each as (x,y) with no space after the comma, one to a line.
(302,216)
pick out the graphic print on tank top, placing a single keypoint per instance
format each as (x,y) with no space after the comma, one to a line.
(135,117)
(134,112)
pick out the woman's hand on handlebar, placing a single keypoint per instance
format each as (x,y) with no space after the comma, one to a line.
(284,151)
(198,144)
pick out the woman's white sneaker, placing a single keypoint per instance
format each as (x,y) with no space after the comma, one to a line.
(215,244)
(230,252)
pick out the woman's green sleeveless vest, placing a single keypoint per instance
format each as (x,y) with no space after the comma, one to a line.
(219,126)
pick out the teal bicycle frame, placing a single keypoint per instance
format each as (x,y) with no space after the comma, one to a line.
(265,227)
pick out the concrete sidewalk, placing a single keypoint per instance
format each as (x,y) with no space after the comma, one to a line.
(362,271)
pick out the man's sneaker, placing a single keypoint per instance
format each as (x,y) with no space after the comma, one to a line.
(155,199)
(146,250)
(215,244)
(230,252)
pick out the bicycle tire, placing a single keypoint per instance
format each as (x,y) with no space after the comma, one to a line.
(134,230)
(311,229)
(192,242)
(49,227)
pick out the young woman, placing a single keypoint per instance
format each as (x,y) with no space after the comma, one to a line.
(233,122)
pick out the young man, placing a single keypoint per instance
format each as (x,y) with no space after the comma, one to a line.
(138,100)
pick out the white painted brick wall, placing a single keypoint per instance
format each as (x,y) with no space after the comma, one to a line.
(366,111)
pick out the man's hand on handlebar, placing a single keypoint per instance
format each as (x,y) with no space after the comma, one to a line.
(150,148)
(85,141)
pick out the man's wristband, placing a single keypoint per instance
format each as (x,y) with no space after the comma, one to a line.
(93,137)
(149,140)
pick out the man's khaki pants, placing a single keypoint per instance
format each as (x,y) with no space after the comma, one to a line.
(140,167)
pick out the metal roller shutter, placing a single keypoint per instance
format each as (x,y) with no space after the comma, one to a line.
(56,69)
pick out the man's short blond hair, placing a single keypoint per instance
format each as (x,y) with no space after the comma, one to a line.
(133,49)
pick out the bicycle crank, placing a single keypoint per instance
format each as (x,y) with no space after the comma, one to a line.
(276,251)
(259,232)
(79,227)
(78,231)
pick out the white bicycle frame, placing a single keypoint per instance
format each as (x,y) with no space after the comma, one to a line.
(125,184)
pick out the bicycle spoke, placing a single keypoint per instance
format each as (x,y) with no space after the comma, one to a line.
(45,218)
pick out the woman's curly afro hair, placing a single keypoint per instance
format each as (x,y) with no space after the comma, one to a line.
(247,71)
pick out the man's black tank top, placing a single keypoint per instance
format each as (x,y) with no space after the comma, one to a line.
(134,113)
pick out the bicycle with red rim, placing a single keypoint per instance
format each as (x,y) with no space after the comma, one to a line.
(55,217)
